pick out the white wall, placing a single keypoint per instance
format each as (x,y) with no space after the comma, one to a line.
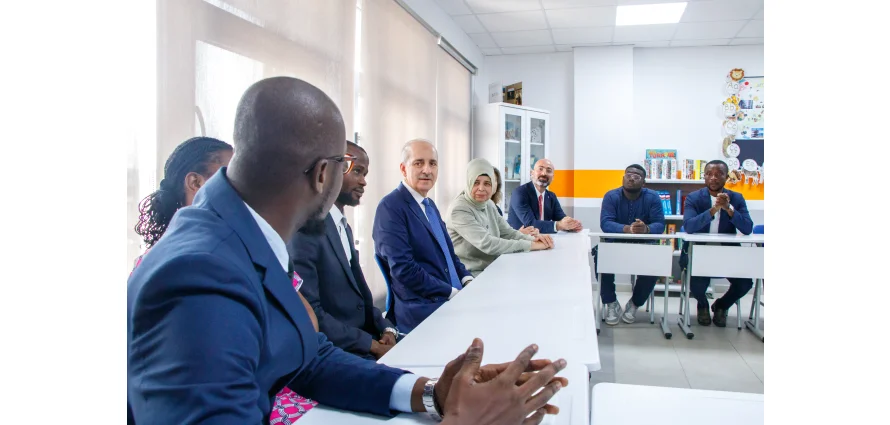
(604,87)
(547,83)
(678,93)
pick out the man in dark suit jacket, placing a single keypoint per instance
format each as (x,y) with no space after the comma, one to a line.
(333,281)
(715,209)
(533,205)
(410,236)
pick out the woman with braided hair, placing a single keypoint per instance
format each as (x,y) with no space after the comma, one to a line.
(190,165)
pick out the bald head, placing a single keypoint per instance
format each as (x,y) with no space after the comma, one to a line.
(288,134)
(542,173)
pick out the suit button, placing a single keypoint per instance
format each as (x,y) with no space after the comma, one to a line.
(359,307)
(446,269)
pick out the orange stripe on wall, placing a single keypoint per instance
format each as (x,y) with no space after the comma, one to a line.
(595,184)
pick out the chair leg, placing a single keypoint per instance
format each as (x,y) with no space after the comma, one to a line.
(738,312)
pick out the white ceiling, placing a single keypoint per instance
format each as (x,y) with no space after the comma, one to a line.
(504,27)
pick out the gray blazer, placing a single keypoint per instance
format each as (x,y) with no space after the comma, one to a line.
(480,234)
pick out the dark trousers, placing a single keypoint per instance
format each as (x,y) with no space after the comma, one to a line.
(642,289)
(738,287)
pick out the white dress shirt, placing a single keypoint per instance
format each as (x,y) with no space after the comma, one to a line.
(419,198)
(400,398)
(543,193)
(340,222)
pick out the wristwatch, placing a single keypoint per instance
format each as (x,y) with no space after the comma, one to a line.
(393,331)
(429,399)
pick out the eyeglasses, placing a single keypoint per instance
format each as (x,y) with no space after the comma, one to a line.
(633,176)
(347,161)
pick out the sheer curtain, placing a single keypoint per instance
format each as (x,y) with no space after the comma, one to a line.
(408,88)
(452,128)
(210,51)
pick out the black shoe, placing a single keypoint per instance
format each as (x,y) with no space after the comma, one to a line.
(704,315)
(719,316)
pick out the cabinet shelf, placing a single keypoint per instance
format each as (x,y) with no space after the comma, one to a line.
(512,141)
(673,217)
(536,144)
(512,181)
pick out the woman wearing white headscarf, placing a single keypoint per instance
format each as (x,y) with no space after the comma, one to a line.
(478,232)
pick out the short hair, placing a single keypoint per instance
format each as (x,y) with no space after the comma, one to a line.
(355,145)
(406,149)
(718,162)
(637,167)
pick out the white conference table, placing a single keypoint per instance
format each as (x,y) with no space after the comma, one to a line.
(708,258)
(634,259)
(615,403)
(573,402)
(541,297)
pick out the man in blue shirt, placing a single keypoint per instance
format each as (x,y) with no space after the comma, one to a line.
(629,209)
(715,209)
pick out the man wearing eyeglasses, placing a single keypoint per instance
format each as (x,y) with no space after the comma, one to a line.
(411,240)
(629,209)
(333,282)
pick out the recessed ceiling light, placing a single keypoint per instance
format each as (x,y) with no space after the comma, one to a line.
(648,14)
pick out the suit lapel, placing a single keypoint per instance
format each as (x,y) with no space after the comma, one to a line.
(334,239)
(412,205)
(219,195)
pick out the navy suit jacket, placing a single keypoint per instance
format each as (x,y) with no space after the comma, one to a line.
(524,209)
(215,328)
(697,218)
(336,289)
(404,239)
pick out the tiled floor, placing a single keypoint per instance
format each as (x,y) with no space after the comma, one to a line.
(723,359)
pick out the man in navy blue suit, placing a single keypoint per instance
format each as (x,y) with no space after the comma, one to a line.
(333,281)
(532,205)
(410,236)
(215,326)
(716,209)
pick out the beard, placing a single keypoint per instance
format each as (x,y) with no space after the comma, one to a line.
(633,190)
(347,198)
(315,225)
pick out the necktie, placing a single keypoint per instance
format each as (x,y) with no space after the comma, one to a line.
(436,223)
(344,239)
(541,205)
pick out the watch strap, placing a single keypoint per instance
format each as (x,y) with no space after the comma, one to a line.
(429,399)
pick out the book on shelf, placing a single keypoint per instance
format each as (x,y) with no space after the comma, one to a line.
(687,169)
(679,206)
(672,230)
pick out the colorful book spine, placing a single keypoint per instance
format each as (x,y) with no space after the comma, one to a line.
(697,170)
(672,229)
(679,206)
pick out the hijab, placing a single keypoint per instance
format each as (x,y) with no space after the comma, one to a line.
(476,168)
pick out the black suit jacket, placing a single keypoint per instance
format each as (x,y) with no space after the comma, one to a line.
(337,290)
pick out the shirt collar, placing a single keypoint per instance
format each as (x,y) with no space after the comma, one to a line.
(337,215)
(272,237)
(539,192)
(416,195)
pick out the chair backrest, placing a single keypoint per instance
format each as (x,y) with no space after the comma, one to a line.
(758,229)
(390,300)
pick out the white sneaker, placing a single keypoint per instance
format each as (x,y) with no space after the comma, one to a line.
(613,310)
(629,311)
